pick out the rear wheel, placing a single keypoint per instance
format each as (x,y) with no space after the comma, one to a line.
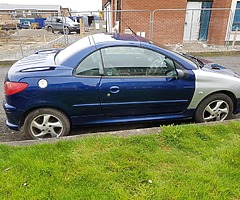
(46,123)
(217,107)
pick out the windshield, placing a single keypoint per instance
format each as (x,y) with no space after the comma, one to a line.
(194,59)
(67,20)
(189,59)
(72,49)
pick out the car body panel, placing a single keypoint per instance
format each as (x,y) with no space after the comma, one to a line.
(156,95)
(31,64)
(218,82)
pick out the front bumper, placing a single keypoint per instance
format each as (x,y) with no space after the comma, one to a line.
(74,29)
(237,110)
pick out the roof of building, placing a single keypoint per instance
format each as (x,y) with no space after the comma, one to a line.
(6,6)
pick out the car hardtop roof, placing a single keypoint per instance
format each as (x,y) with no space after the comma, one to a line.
(104,37)
(96,40)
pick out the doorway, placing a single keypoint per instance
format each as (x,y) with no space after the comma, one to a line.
(192,21)
(197,21)
(205,19)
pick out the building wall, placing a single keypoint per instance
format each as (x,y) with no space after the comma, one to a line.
(153,4)
(219,22)
(5,15)
(168,26)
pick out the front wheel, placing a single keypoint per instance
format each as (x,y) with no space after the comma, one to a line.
(46,123)
(217,107)
(66,31)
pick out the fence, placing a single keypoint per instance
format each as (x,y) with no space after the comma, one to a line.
(21,34)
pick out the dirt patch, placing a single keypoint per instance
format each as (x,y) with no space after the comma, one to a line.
(7,63)
(35,35)
(17,44)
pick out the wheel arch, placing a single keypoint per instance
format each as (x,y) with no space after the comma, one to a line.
(45,107)
(226,92)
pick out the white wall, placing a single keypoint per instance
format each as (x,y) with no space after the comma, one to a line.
(230,33)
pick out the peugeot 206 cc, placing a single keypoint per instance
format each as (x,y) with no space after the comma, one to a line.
(113,78)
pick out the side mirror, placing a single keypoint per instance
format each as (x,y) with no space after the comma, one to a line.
(180,73)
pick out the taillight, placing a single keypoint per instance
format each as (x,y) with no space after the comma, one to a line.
(14,87)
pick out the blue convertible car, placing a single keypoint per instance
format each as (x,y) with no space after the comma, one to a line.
(108,78)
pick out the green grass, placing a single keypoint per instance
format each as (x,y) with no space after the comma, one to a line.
(180,162)
(215,54)
(6,63)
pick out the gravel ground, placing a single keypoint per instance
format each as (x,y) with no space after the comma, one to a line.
(30,41)
(7,135)
(233,62)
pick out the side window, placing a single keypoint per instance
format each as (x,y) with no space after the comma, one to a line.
(90,65)
(136,61)
(58,20)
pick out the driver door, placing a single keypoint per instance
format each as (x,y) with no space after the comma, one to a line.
(140,81)
(59,24)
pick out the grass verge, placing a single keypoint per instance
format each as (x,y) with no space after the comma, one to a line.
(7,63)
(215,54)
(181,162)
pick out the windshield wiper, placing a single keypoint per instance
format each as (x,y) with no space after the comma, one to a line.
(197,61)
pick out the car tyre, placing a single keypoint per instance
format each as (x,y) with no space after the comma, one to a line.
(216,107)
(50,29)
(46,123)
(66,31)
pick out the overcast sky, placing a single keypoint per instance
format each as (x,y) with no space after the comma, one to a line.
(77,5)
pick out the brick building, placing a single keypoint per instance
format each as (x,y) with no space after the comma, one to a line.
(15,11)
(11,11)
(171,21)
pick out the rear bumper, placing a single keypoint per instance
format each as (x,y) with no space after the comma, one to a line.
(12,126)
(13,116)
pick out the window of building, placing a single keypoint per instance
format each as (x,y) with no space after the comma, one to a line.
(236,20)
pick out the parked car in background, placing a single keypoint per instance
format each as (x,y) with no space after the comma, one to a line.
(62,24)
(24,25)
(104,78)
(8,27)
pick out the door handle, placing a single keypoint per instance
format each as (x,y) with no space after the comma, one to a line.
(114,89)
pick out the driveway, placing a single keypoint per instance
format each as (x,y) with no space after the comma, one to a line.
(7,135)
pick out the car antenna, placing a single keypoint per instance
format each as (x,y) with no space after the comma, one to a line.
(133,30)
(92,40)
(128,26)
